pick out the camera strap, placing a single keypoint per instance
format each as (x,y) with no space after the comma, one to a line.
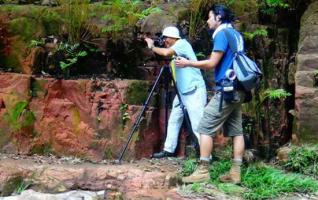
(173,70)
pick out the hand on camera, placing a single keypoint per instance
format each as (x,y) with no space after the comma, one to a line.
(181,61)
(150,42)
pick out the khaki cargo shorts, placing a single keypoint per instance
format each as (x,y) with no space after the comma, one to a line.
(230,117)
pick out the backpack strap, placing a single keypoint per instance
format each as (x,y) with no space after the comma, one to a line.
(231,40)
(233,46)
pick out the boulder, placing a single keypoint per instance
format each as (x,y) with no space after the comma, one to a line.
(306,91)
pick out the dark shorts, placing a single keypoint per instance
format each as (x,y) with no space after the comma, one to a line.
(230,117)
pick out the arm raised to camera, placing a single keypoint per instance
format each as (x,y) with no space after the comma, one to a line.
(210,63)
(158,50)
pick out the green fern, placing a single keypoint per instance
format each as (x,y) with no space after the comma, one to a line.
(19,116)
(124,13)
(272,94)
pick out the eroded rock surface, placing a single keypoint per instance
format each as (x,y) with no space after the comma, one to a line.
(145,179)
(306,79)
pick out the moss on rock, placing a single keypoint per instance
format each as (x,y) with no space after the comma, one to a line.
(137,92)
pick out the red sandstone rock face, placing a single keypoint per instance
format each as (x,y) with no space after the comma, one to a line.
(75,117)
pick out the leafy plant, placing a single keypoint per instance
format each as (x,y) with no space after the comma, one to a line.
(19,116)
(72,54)
(259,32)
(196,21)
(219,168)
(124,114)
(274,94)
(124,13)
(269,7)
(35,43)
(76,17)
(188,167)
(303,160)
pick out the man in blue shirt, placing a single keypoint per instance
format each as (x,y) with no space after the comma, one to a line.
(229,117)
(190,85)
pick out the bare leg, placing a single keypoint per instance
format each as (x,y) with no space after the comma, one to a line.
(238,147)
(234,176)
(201,174)
(206,146)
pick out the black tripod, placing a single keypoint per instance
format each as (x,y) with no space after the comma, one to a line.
(166,72)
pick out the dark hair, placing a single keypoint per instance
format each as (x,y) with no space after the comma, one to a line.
(227,16)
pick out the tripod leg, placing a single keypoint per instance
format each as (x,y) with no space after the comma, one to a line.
(166,88)
(138,120)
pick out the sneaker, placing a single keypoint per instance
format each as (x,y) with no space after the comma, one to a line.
(162,154)
(234,176)
(201,174)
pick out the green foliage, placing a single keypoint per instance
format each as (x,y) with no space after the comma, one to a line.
(42,149)
(259,181)
(196,21)
(76,14)
(188,167)
(108,153)
(72,53)
(35,43)
(218,168)
(124,13)
(270,7)
(15,184)
(196,187)
(124,114)
(259,32)
(266,182)
(303,160)
(316,78)
(137,92)
(19,116)
(22,186)
(200,55)
(274,94)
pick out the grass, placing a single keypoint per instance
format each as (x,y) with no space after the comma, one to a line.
(265,182)
(259,181)
(188,167)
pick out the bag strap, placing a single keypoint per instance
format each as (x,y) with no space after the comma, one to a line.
(231,40)
(233,46)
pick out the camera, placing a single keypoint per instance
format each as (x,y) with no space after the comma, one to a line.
(159,41)
(230,94)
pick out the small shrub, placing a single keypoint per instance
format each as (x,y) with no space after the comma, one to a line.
(269,7)
(259,32)
(303,160)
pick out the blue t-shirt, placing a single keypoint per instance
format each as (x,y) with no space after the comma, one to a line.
(220,43)
(187,78)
